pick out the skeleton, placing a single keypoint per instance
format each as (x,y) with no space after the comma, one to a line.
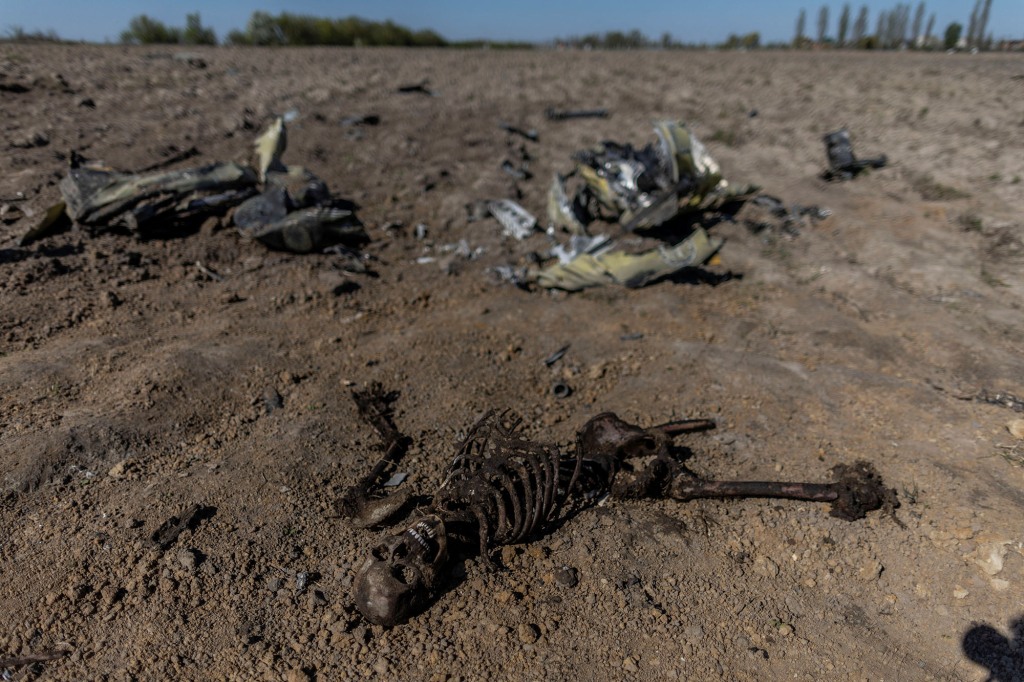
(502,489)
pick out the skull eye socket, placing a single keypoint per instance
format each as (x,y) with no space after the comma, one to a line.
(640,447)
(404,574)
(385,553)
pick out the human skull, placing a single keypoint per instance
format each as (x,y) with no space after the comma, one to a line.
(399,577)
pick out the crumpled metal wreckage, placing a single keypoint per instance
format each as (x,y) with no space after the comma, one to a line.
(639,189)
(284,207)
(842,163)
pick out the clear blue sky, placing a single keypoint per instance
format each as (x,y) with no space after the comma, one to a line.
(533,20)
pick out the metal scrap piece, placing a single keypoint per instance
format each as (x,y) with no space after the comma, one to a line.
(842,163)
(554,114)
(630,270)
(563,213)
(530,134)
(168,532)
(101,197)
(516,220)
(310,229)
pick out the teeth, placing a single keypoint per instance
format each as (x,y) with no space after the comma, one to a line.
(418,538)
(426,529)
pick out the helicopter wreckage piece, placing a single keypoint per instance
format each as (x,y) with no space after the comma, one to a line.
(502,488)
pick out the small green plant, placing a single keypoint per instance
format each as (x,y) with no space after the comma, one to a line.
(932,190)
(1013,454)
(991,279)
(970,222)
(727,137)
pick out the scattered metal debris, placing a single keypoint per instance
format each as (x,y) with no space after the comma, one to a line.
(643,188)
(554,114)
(293,209)
(630,270)
(517,172)
(502,488)
(418,88)
(530,134)
(516,220)
(168,532)
(557,355)
(789,218)
(1000,398)
(638,189)
(842,164)
(364,120)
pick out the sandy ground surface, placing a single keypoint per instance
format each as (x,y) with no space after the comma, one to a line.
(132,384)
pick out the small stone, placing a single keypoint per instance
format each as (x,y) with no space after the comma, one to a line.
(959,592)
(567,576)
(629,664)
(117,471)
(108,299)
(766,566)
(1016,428)
(528,633)
(298,675)
(999,585)
(785,629)
(188,559)
(870,570)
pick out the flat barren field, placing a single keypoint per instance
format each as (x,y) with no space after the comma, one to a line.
(142,376)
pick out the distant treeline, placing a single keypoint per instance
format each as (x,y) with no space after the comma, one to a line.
(284,29)
(900,27)
(895,29)
(295,29)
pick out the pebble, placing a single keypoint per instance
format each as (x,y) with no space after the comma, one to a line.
(187,558)
(528,633)
(629,664)
(766,567)
(298,675)
(960,593)
(1016,428)
(870,570)
(785,629)
(567,576)
(117,471)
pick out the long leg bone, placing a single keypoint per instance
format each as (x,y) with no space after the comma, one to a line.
(857,490)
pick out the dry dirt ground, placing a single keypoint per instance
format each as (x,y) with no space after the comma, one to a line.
(133,384)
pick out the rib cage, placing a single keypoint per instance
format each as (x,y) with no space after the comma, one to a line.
(509,485)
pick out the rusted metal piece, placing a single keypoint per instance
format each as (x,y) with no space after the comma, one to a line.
(502,488)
